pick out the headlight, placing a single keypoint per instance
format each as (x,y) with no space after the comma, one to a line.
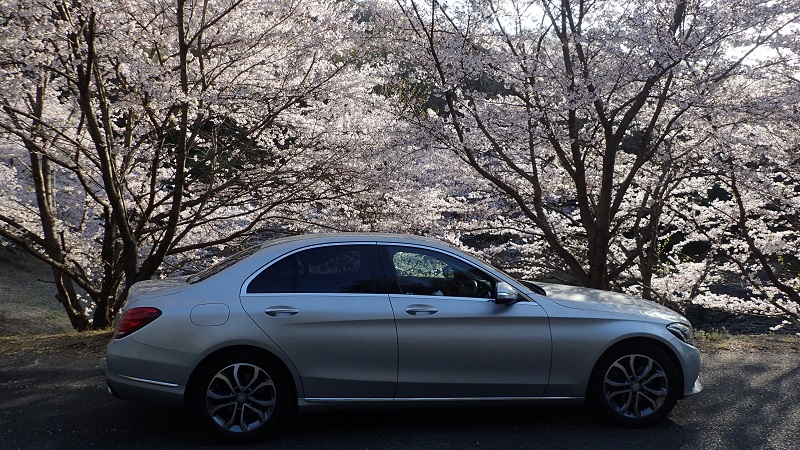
(682,332)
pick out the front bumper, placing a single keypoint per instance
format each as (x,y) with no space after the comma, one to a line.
(696,388)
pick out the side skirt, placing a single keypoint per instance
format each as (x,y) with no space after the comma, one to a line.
(409,403)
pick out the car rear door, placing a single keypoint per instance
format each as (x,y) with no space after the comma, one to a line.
(454,340)
(326,307)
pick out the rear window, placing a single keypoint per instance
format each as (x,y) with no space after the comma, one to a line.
(222,265)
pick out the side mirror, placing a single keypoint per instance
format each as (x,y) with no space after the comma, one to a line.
(506,294)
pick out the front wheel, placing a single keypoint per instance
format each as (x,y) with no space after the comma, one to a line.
(634,385)
(240,397)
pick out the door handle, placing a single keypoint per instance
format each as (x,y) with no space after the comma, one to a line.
(281,311)
(425,310)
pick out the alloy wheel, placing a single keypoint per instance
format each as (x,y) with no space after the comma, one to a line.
(240,398)
(635,386)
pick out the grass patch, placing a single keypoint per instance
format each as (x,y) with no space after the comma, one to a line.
(27,296)
(713,335)
(73,343)
(709,341)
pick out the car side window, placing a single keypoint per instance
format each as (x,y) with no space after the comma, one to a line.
(337,269)
(426,272)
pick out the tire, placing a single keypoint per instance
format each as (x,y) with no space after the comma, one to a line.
(634,385)
(240,397)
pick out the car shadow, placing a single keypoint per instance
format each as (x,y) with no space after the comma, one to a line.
(552,427)
(749,401)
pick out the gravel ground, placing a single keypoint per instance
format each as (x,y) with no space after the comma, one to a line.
(54,397)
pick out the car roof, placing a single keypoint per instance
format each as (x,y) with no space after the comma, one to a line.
(334,237)
(256,256)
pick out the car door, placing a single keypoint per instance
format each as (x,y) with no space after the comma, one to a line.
(326,307)
(454,340)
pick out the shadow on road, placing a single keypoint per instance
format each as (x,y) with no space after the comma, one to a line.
(750,401)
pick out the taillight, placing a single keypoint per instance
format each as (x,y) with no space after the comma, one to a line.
(134,319)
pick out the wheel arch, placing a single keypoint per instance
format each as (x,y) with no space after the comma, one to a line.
(635,340)
(249,350)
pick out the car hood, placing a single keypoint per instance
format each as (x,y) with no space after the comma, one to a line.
(607,301)
(157,288)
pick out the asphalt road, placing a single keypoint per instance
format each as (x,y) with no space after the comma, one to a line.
(751,401)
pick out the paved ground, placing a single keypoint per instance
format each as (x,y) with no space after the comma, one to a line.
(751,401)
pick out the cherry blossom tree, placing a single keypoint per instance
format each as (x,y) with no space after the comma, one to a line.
(753,214)
(140,133)
(590,118)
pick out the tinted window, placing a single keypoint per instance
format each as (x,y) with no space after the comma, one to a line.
(425,272)
(335,269)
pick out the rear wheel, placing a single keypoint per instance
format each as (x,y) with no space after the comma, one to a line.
(240,397)
(634,385)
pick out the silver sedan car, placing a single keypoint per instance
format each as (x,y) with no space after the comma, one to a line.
(382,320)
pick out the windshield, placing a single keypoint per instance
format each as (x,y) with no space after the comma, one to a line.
(222,265)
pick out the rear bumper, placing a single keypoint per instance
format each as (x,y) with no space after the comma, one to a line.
(147,374)
(143,392)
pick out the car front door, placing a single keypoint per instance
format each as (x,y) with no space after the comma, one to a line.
(454,340)
(327,309)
